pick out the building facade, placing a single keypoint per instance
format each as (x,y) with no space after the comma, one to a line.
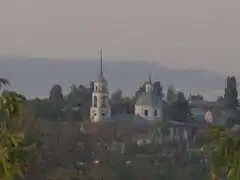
(149,104)
(100,109)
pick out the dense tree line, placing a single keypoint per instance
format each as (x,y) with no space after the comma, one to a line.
(75,105)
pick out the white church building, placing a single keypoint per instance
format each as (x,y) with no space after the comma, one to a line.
(148,105)
(100,109)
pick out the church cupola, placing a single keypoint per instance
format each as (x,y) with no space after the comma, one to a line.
(149,85)
(148,105)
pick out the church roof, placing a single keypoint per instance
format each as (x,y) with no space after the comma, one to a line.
(149,99)
(102,79)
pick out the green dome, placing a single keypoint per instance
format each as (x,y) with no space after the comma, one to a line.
(149,99)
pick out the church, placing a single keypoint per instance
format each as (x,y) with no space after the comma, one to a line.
(145,124)
(148,105)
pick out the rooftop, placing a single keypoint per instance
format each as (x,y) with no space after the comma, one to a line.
(149,99)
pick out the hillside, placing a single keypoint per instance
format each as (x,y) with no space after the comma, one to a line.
(34,77)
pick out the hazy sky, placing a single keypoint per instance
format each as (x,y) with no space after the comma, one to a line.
(177,33)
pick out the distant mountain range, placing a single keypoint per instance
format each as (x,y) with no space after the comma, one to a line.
(35,77)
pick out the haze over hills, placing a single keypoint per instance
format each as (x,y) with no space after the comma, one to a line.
(34,77)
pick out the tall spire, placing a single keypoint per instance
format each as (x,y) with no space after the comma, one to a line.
(101,69)
(150,77)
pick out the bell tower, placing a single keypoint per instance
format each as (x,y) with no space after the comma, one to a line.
(100,109)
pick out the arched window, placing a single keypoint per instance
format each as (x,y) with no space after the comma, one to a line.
(155,112)
(146,112)
(95,101)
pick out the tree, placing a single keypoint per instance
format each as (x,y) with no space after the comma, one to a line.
(231,93)
(179,110)
(43,108)
(224,151)
(79,96)
(182,105)
(117,96)
(128,105)
(171,94)
(14,152)
(197,97)
(117,102)
(56,94)
(157,88)
(220,99)
(79,99)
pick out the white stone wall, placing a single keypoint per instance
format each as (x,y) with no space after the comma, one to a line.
(101,109)
(140,110)
(98,114)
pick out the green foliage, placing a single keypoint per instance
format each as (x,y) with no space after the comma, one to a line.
(224,152)
(220,99)
(179,110)
(56,94)
(158,89)
(79,96)
(74,106)
(14,152)
(43,109)
(117,96)
(197,97)
(121,104)
(171,96)
(231,93)
(126,173)
(3,82)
